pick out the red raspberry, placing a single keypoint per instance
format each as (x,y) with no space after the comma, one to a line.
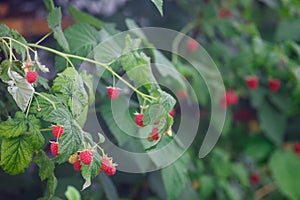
(111,170)
(77,165)
(154,134)
(274,84)
(192,45)
(173,112)
(224,13)
(252,82)
(54,148)
(86,157)
(139,119)
(57,131)
(113,92)
(31,76)
(105,163)
(255,178)
(228,99)
(297,148)
(181,94)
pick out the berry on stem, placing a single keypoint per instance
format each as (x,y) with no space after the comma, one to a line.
(54,148)
(73,158)
(77,165)
(57,131)
(86,157)
(105,163)
(297,148)
(274,84)
(224,13)
(111,170)
(172,112)
(154,134)
(139,119)
(252,82)
(113,92)
(228,99)
(181,94)
(31,76)
(255,178)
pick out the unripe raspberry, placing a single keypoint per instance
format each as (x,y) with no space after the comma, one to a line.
(73,158)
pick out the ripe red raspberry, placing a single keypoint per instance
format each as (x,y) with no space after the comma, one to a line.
(113,92)
(224,13)
(252,82)
(111,170)
(31,76)
(192,45)
(57,131)
(86,157)
(228,99)
(54,148)
(274,84)
(255,178)
(297,148)
(154,134)
(181,94)
(139,119)
(77,165)
(105,163)
(173,112)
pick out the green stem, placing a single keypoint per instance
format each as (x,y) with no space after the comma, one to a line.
(46,98)
(28,107)
(45,129)
(16,41)
(179,37)
(43,38)
(107,67)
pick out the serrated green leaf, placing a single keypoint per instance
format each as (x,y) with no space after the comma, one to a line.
(54,22)
(175,177)
(16,154)
(72,193)
(52,184)
(167,101)
(45,105)
(70,85)
(59,116)
(91,170)
(69,142)
(82,39)
(4,30)
(285,170)
(88,82)
(82,17)
(159,6)
(19,48)
(20,89)
(46,166)
(37,139)
(14,127)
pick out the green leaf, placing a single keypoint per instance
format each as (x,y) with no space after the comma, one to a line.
(285,169)
(4,30)
(14,127)
(241,173)
(82,39)
(54,22)
(70,85)
(284,32)
(60,116)
(4,70)
(82,17)
(19,48)
(45,105)
(69,142)
(46,166)
(90,171)
(16,154)
(258,144)
(273,131)
(20,89)
(167,101)
(49,5)
(72,193)
(52,184)
(220,163)
(37,139)
(175,177)
(207,186)
(159,6)
(88,82)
